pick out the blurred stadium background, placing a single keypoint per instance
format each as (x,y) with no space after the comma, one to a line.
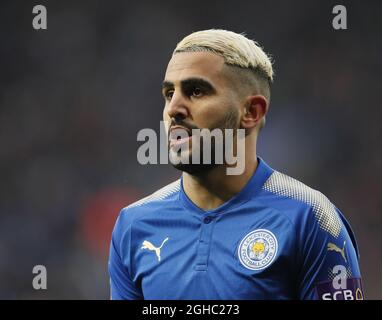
(73,97)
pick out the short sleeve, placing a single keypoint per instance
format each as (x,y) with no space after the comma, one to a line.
(329,259)
(122,287)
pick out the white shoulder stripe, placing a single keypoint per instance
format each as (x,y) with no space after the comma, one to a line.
(323,209)
(161,194)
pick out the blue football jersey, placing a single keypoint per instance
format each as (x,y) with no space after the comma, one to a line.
(276,239)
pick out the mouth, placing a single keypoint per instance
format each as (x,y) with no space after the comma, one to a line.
(179,135)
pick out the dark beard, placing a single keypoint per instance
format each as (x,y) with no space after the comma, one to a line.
(198,168)
(195,169)
(228,122)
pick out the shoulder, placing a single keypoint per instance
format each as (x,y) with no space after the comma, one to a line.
(160,198)
(301,203)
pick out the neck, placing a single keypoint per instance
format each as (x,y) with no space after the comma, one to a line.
(211,189)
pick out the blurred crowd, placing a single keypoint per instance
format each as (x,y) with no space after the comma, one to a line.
(74,96)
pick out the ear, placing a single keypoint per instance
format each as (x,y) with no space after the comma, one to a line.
(254,110)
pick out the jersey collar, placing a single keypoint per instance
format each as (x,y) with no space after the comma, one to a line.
(251,190)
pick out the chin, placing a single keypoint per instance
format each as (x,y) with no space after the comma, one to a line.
(195,169)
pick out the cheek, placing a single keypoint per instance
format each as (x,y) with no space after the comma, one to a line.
(166,117)
(215,114)
(166,120)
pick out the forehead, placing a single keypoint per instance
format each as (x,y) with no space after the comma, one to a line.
(205,65)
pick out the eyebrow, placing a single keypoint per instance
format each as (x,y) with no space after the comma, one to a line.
(191,82)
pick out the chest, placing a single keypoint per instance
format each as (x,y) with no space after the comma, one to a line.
(242,256)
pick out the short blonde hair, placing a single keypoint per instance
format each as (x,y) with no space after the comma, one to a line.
(236,50)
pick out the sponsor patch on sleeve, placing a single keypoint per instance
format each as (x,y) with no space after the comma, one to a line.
(350,289)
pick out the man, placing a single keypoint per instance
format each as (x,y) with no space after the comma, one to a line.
(211,235)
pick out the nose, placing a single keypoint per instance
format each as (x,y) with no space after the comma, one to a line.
(177,107)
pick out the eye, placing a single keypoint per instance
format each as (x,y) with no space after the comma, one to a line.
(168,94)
(197,92)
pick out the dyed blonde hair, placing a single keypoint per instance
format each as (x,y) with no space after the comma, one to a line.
(236,50)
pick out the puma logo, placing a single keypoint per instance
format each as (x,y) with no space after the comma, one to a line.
(333,247)
(148,245)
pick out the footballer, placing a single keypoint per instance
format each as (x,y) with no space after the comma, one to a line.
(209,235)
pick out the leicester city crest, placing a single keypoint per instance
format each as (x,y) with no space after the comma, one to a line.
(258,249)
